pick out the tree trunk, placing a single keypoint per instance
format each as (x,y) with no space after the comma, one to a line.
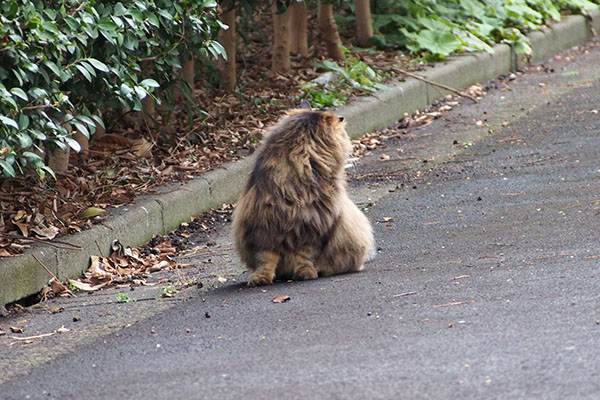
(227,68)
(148,112)
(281,40)
(84,142)
(188,70)
(329,31)
(364,27)
(299,39)
(58,160)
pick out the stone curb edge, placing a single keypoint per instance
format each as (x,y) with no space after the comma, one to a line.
(135,224)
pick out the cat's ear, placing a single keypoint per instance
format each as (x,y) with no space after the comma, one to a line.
(305,105)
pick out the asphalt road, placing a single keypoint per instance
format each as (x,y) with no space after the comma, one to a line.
(486,283)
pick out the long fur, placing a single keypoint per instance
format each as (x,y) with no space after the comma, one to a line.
(294,218)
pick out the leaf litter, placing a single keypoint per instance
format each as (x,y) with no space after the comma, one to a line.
(126,266)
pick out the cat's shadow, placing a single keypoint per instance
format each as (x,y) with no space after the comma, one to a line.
(241,283)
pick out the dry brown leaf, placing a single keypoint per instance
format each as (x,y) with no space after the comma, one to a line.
(142,148)
(281,299)
(86,287)
(22,227)
(6,253)
(17,329)
(57,286)
(47,233)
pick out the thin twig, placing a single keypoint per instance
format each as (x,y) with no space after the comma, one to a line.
(448,88)
(404,294)
(45,267)
(52,274)
(99,249)
(454,303)
(33,337)
(56,244)
(460,277)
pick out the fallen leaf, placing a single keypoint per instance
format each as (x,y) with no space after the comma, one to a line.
(141,148)
(17,329)
(2,333)
(221,279)
(281,299)
(62,329)
(86,287)
(57,286)
(5,253)
(47,233)
(91,212)
(22,227)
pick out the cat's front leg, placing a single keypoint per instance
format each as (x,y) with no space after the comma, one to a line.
(304,268)
(266,262)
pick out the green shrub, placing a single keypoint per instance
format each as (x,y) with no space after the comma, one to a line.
(61,62)
(440,28)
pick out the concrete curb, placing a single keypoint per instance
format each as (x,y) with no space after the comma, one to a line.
(135,224)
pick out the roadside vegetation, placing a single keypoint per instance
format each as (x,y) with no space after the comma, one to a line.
(103,100)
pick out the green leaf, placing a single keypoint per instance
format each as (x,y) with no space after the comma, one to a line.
(165,14)
(98,121)
(153,20)
(137,15)
(140,92)
(81,128)
(74,144)
(50,27)
(107,25)
(99,65)
(437,42)
(216,49)
(8,170)
(24,140)
(30,66)
(9,122)
(48,170)
(87,120)
(23,121)
(52,67)
(19,93)
(126,90)
(149,83)
(84,72)
(32,157)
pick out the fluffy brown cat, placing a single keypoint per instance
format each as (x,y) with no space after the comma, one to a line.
(294,218)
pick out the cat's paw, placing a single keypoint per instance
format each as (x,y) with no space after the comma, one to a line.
(305,273)
(259,279)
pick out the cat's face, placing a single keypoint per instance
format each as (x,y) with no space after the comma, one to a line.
(337,128)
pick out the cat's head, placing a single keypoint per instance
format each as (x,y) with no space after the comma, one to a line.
(329,126)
